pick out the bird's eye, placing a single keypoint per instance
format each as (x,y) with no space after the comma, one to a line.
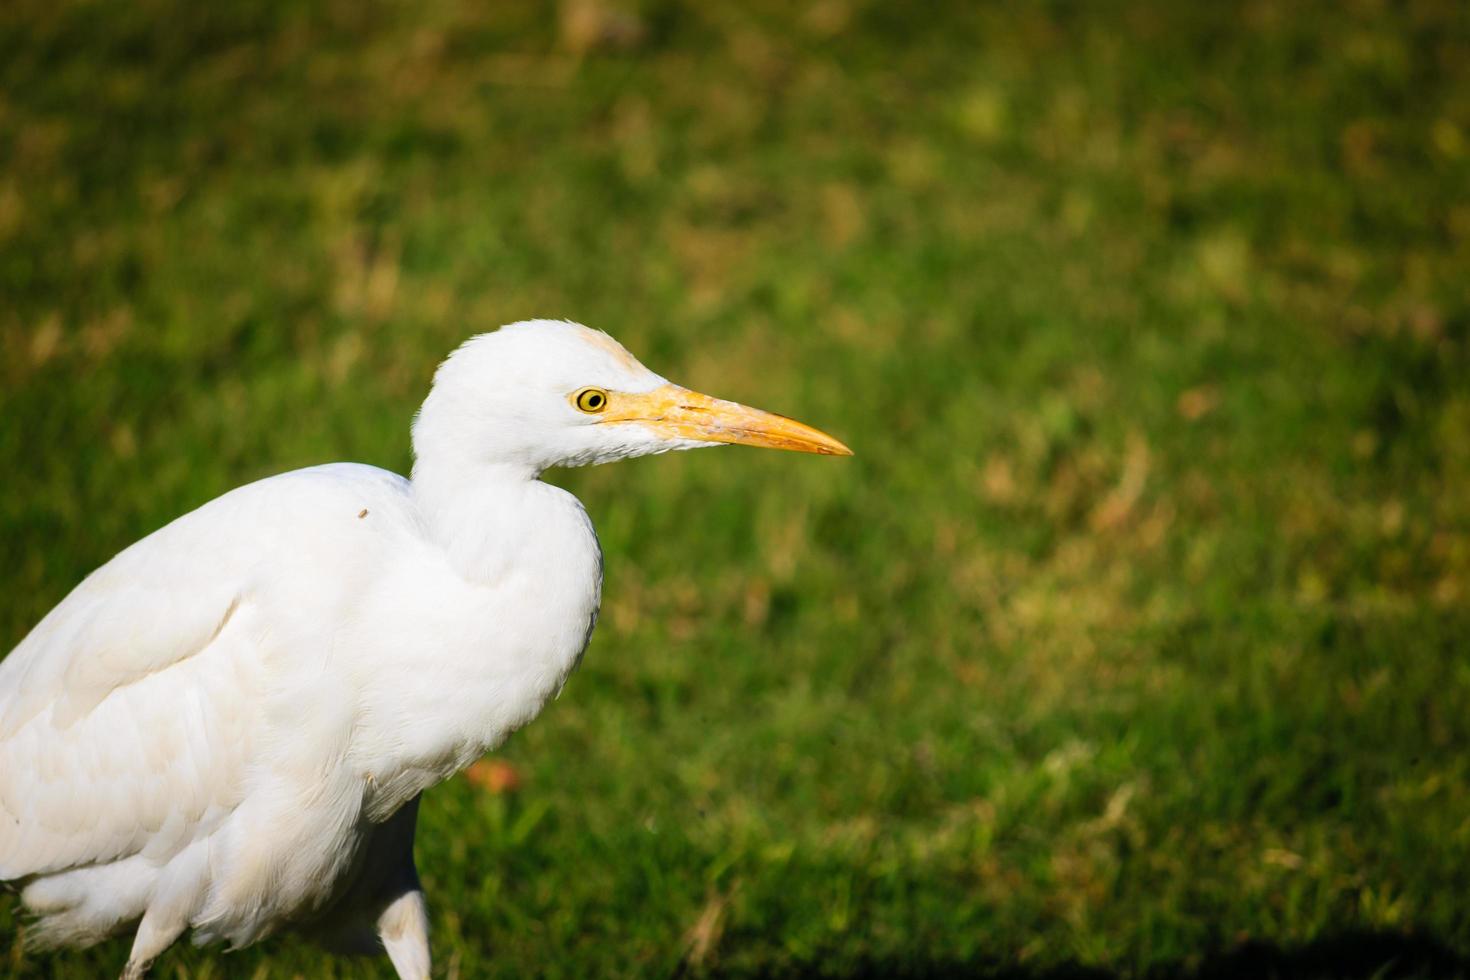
(590,400)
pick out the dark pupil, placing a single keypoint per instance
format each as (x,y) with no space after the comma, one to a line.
(592,400)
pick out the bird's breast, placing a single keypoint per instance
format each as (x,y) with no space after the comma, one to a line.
(461,660)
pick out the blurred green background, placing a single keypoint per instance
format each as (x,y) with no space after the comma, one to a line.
(1134,638)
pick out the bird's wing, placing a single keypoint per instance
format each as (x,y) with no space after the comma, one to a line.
(110,722)
(127,715)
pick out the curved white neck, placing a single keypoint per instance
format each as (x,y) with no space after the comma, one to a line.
(478,514)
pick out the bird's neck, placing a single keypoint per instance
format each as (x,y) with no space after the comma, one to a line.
(478,512)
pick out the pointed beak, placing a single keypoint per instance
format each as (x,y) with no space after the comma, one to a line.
(678,413)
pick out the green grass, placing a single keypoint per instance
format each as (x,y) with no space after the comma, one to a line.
(1136,630)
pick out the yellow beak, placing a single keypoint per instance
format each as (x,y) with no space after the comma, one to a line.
(678,413)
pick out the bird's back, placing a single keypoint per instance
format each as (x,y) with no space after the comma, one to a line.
(146,721)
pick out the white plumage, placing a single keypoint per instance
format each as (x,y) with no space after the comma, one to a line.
(227,727)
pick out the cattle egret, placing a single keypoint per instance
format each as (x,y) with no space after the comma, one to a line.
(227,727)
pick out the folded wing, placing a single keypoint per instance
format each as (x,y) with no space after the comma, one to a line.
(125,714)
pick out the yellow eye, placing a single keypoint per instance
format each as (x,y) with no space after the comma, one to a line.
(590,400)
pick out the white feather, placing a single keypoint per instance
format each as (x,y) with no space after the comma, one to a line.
(213,729)
(226,728)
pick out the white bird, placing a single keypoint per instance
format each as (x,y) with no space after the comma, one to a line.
(226,728)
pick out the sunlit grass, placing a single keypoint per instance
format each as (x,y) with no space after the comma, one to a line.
(1136,628)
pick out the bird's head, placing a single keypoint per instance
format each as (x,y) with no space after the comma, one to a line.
(545,393)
